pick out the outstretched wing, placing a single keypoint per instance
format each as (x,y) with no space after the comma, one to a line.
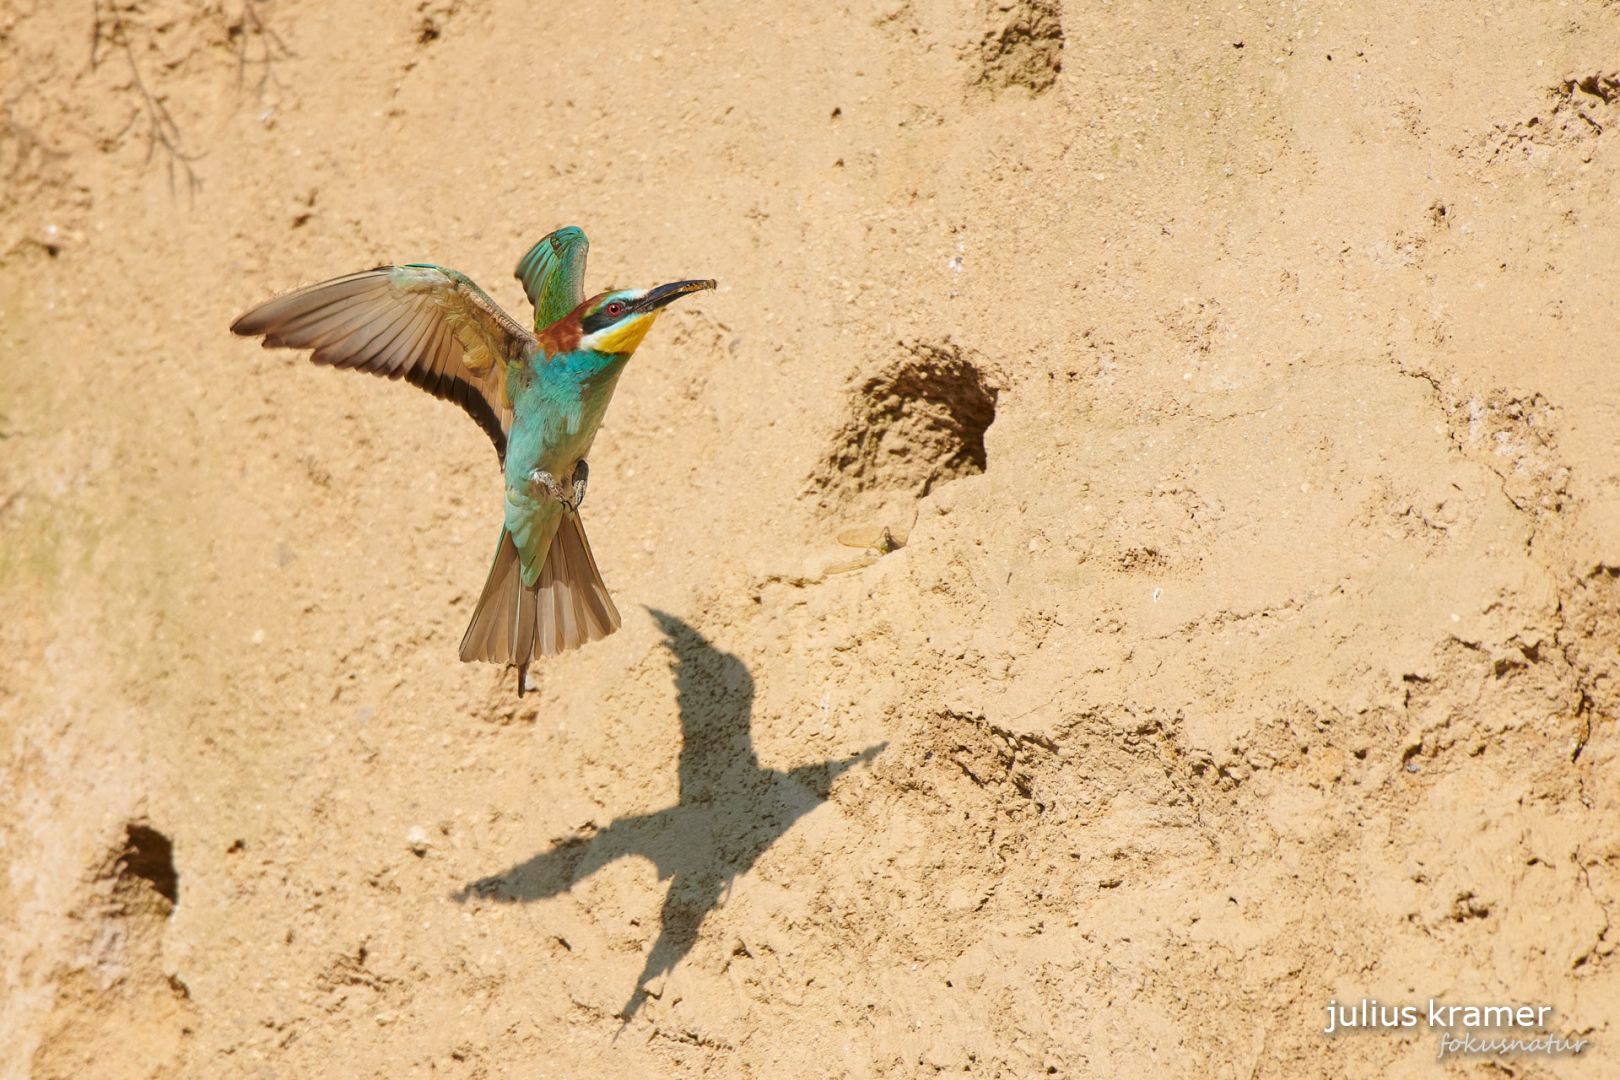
(553,275)
(426,324)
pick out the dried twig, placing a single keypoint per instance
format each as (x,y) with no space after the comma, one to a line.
(161,129)
(248,30)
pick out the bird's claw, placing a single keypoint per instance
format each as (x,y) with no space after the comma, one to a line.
(570,499)
(548,483)
(582,473)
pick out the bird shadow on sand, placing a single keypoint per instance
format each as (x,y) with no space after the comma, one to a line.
(730,810)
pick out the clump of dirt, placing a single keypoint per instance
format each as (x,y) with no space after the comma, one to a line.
(116,1012)
(1022,46)
(1579,110)
(918,422)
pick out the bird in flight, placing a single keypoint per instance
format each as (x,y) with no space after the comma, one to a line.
(539,396)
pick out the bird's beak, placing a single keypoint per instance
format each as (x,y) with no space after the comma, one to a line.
(657,298)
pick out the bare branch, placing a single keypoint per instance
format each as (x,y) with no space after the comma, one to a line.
(257,45)
(110,31)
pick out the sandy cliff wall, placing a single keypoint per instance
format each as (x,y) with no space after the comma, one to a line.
(1241,379)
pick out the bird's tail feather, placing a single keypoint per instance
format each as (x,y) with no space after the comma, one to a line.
(568,607)
(502,627)
(572,603)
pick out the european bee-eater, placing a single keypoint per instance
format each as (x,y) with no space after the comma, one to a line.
(539,396)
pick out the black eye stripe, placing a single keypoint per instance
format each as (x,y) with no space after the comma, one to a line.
(603,318)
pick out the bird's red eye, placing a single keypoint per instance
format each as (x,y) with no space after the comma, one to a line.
(614,308)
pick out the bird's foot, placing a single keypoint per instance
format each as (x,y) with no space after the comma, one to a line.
(548,483)
(570,497)
(582,473)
